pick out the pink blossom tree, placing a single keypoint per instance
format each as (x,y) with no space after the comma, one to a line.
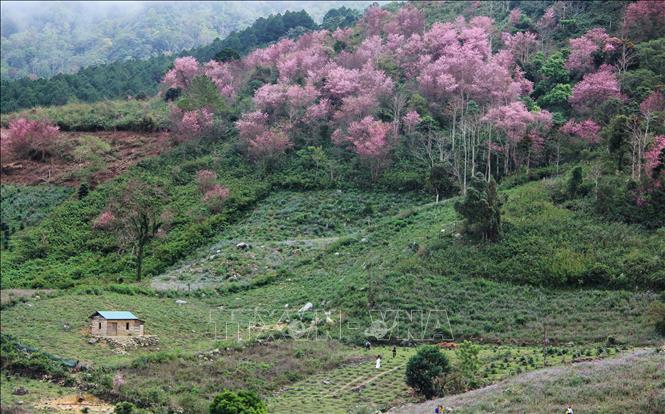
(205,180)
(31,139)
(373,20)
(521,45)
(104,221)
(583,49)
(188,125)
(222,76)
(183,72)
(654,161)
(644,19)
(594,89)
(586,130)
(215,197)
(368,137)
(515,16)
(251,124)
(411,121)
(269,145)
(548,21)
(407,21)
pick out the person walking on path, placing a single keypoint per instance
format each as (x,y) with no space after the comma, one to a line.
(378,361)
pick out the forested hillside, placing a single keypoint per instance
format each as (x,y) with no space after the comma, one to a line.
(400,103)
(42,39)
(502,163)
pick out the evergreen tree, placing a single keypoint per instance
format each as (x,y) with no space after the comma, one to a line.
(481,209)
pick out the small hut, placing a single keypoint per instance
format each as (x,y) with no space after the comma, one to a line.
(115,323)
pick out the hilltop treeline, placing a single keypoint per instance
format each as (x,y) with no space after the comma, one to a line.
(140,78)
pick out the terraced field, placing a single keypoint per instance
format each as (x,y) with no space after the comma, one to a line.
(360,385)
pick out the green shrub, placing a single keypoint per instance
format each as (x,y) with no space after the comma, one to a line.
(424,369)
(242,402)
(124,407)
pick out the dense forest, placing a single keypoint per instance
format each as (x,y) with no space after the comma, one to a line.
(139,77)
(42,39)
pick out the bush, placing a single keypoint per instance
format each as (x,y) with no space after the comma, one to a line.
(424,369)
(469,362)
(124,407)
(243,402)
(657,316)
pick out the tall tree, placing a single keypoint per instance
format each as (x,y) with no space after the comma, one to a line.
(135,215)
(481,209)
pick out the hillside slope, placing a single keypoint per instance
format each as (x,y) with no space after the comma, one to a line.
(628,383)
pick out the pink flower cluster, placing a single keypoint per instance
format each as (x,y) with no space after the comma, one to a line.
(29,138)
(215,197)
(517,123)
(411,120)
(582,49)
(205,179)
(104,220)
(644,18)
(184,70)
(594,89)
(368,137)
(587,130)
(654,160)
(653,103)
(191,124)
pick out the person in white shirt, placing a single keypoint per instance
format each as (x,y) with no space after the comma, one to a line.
(378,361)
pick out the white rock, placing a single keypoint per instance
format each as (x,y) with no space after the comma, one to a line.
(308,306)
(180,302)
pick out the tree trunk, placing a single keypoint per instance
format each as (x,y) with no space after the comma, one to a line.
(139,260)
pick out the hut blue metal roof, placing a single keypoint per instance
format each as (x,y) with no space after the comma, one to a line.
(124,315)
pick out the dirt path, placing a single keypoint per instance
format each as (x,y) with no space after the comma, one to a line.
(77,403)
(541,376)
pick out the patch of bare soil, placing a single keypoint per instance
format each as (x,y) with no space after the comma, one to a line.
(127,148)
(76,403)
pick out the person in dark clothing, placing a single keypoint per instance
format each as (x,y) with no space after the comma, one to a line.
(394,351)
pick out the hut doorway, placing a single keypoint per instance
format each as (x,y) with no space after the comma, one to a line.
(113,329)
